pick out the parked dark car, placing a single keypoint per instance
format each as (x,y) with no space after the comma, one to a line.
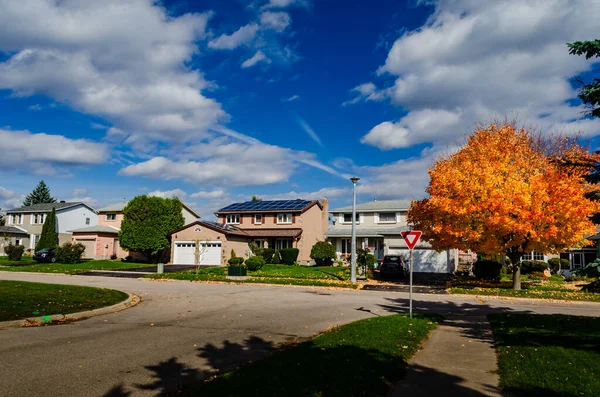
(45,255)
(392,266)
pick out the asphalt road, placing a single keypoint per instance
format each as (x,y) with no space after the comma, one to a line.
(182,332)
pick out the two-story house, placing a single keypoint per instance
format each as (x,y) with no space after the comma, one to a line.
(378,225)
(101,241)
(30,220)
(271,224)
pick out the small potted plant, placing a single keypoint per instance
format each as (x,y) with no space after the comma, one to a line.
(236,265)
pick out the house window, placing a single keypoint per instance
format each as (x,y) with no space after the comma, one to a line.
(258,219)
(37,239)
(17,219)
(282,243)
(260,243)
(387,217)
(232,219)
(346,246)
(284,218)
(34,219)
(533,256)
(17,241)
(348,218)
(111,217)
(87,221)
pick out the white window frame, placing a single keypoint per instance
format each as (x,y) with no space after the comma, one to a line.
(232,219)
(261,242)
(114,217)
(531,256)
(279,243)
(20,222)
(285,221)
(256,219)
(88,221)
(388,221)
(344,221)
(346,245)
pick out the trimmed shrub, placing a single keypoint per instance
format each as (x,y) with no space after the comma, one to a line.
(555,263)
(235,261)
(14,252)
(323,253)
(592,287)
(487,270)
(233,255)
(267,254)
(276,258)
(528,267)
(289,255)
(70,253)
(364,258)
(255,263)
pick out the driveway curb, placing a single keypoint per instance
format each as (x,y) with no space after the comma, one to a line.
(132,300)
(529,300)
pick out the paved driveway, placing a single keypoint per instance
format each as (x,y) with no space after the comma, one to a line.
(183,331)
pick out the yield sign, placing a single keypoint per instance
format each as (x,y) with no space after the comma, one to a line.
(411,238)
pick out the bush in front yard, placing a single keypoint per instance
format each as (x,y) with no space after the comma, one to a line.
(235,261)
(255,263)
(528,267)
(289,255)
(555,263)
(267,254)
(14,252)
(70,253)
(487,270)
(592,287)
(323,253)
(276,258)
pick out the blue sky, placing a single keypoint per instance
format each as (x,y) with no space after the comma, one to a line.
(214,101)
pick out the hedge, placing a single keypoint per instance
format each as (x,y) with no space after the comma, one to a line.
(255,263)
(14,252)
(323,253)
(487,270)
(289,255)
(528,267)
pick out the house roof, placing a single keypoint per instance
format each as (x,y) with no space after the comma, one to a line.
(96,229)
(118,207)
(273,232)
(269,206)
(225,229)
(365,231)
(12,230)
(377,206)
(46,207)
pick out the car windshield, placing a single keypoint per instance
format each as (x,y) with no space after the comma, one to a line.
(391,259)
(44,250)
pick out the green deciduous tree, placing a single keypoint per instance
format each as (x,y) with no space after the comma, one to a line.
(147,221)
(590,92)
(41,194)
(49,237)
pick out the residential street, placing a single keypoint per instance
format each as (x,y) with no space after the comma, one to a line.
(183,331)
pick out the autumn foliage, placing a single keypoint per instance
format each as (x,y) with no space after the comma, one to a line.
(508,191)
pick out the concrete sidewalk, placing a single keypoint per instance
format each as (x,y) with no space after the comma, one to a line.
(458,360)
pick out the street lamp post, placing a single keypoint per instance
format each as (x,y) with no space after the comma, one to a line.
(353,242)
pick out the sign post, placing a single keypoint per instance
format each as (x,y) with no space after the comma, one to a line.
(411,239)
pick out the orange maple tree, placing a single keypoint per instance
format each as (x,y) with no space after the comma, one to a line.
(508,191)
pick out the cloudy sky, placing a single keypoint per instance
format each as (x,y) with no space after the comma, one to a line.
(216,100)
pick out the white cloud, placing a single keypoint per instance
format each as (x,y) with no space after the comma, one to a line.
(124,61)
(168,193)
(473,61)
(277,21)
(40,152)
(241,36)
(10,199)
(311,133)
(256,58)
(327,192)
(35,107)
(366,92)
(290,99)
(285,3)
(92,202)
(208,195)
(79,192)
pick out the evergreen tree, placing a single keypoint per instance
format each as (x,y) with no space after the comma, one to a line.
(41,194)
(49,237)
(2,220)
(147,222)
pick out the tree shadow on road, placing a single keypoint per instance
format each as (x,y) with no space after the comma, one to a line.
(233,354)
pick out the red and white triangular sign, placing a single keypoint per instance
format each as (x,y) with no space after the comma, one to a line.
(411,238)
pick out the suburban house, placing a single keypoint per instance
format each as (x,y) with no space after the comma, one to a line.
(378,225)
(270,224)
(101,240)
(12,235)
(30,220)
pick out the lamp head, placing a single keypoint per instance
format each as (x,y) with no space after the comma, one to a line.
(354,179)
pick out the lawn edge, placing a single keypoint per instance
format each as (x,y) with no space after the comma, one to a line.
(358,288)
(131,301)
(510,298)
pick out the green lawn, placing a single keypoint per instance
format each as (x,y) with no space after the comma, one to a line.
(74,268)
(4,261)
(551,289)
(19,299)
(364,358)
(547,355)
(272,274)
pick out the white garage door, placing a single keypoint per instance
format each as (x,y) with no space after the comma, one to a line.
(427,260)
(90,248)
(209,253)
(185,253)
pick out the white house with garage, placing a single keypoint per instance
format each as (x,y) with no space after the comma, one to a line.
(378,226)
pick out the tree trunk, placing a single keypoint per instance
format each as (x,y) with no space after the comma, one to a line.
(517,277)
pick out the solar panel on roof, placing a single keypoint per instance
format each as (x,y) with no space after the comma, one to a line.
(267,205)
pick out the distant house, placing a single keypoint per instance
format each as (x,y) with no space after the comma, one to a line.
(101,241)
(30,220)
(378,227)
(270,224)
